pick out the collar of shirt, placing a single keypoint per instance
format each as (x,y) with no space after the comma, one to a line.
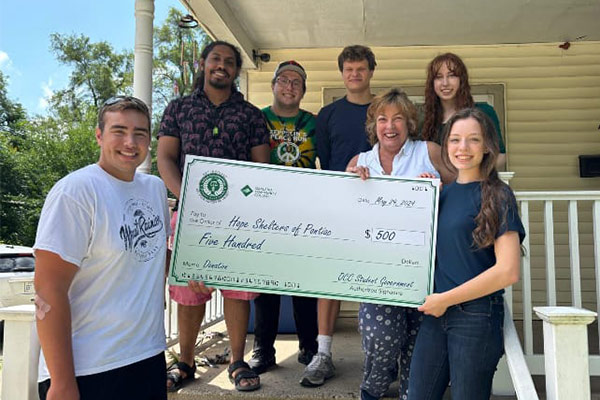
(406,150)
(201,96)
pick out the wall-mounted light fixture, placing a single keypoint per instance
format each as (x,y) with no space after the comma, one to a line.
(264,57)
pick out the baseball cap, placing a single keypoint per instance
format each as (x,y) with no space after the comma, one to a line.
(290,65)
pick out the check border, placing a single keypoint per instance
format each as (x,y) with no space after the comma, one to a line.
(364,297)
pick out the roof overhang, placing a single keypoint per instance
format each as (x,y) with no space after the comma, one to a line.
(281,24)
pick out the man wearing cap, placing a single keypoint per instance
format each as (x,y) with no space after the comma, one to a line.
(292,140)
(214,121)
(341,135)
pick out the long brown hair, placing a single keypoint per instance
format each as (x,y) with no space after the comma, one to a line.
(434,112)
(494,192)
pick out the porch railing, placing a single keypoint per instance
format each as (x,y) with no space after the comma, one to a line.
(562,246)
(561,266)
(213,314)
(520,376)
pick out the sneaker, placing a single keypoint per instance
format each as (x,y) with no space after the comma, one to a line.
(261,361)
(320,369)
(305,356)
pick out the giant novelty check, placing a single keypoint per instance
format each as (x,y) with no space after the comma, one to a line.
(271,229)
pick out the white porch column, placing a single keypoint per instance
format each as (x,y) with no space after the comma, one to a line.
(566,351)
(21,353)
(142,65)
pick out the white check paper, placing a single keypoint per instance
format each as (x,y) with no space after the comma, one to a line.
(263,228)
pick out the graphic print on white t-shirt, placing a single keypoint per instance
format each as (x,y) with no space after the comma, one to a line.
(140,229)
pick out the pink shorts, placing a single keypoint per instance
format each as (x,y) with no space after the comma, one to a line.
(185,296)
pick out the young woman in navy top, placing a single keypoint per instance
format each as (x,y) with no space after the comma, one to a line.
(478,255)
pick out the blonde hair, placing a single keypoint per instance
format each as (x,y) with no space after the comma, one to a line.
(393,97)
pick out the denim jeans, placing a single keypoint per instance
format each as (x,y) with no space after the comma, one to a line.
(463,346)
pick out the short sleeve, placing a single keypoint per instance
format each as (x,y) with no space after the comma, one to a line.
(509,217)
(168,124)
(166,213)
(259,132)
(64,228)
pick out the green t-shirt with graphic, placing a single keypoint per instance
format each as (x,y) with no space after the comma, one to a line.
(292,139)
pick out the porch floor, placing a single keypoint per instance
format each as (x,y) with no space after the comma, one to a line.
(282,382)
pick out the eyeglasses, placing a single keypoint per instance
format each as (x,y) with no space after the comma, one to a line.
(283,81)
(118,99)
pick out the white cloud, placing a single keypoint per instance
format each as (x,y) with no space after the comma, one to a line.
(47,93)
(4,59)
(6,65)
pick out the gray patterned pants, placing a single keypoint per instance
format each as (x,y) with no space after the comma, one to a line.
(388,338)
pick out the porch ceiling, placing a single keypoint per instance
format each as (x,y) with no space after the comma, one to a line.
(275,24)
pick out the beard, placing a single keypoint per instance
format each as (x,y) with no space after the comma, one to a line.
(219,84)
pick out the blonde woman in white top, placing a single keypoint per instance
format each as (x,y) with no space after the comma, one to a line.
(389,332)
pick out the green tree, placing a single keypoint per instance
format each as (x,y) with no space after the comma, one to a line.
(12,128)
(176,53)
(35,152)
(46,148)
(51,148)
(12,114)
(98,72)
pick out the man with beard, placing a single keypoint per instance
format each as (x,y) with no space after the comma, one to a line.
(214,121)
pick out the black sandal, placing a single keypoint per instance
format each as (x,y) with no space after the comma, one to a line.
(245,373)
(174,375)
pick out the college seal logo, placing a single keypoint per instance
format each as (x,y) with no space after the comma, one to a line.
(213,186)
(142,229)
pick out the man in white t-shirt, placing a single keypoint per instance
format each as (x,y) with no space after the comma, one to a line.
(100,270)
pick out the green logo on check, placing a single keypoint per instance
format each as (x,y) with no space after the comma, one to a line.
(213,187)
(247,190)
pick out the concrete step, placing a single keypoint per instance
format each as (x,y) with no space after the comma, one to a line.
(282,382)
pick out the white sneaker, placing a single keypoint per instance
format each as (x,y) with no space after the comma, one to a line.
(320,369)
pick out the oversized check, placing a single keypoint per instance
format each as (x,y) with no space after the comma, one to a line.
(264,228)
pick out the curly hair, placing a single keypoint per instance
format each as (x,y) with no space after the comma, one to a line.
(494,192)
(356,53)
(199,82)
(433,106)
(393,97)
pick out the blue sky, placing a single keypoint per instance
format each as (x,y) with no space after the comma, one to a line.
(25,28)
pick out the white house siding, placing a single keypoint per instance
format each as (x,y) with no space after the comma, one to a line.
(552,115)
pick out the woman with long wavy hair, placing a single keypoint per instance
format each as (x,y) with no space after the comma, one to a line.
(447,91)
(478,255)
